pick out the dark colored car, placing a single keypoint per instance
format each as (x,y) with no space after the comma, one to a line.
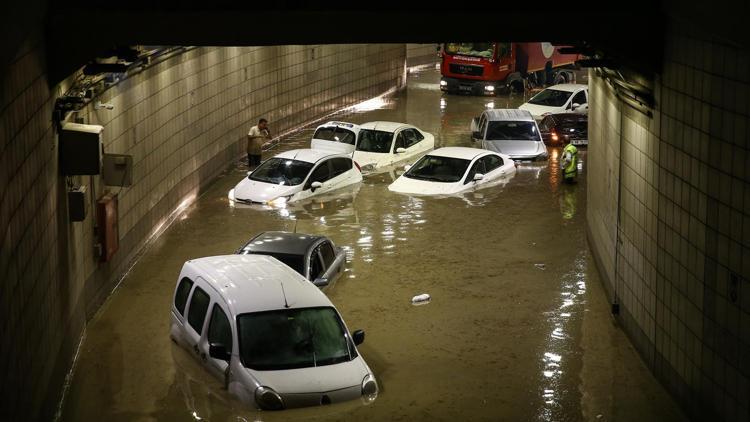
(315,257)
(557,127)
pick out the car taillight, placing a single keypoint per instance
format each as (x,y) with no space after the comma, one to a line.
(358,167)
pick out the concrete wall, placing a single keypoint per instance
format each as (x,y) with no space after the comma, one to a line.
(419,54)
(682,267)
(183,120)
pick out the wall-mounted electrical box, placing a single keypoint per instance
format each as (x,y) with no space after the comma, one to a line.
(77,203)
(117,170)
(106,218)
(80,149)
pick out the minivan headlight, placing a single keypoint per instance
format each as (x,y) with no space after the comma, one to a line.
(268,399)
(369,388)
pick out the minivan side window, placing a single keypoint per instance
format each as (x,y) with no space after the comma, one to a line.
(198,308)
(219,330)
(181,296)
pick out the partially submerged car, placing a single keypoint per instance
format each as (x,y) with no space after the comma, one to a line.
(314,257)
(453,170)
(561,98)
(335,136)
(557,128)
(382,144)
(295,175)
(271,336)
(509,131)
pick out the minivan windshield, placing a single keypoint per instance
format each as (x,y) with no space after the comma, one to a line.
(438,169)
(335,134)
(512,131)
(374,141)
(551,97)
(282,171)
(293,338)
(476,49)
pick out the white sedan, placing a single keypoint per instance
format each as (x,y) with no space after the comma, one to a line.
(452,170)
(295,175)
(382,144)
(562,98)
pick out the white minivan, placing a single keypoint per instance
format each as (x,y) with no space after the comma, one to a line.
(271,336)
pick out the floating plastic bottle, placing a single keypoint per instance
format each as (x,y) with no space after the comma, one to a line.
(420,299)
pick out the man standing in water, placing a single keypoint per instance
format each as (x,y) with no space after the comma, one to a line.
(255,138)
(569,162)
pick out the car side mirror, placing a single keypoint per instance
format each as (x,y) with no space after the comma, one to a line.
(315,185)
(575,106)
(358,337)
(321,281)
(219,351)
(399,150)
(478,177)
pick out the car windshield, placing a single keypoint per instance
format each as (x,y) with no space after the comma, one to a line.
(551,97)
(374,141)
(293,338)
(438,169)
(476,49)
(336,134)
(295,262)
(512,131)
(282,171)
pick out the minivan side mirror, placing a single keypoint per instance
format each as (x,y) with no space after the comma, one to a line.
(315,185)
(219,351)
(358,337)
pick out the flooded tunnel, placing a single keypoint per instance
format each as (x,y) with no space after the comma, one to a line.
(621,296)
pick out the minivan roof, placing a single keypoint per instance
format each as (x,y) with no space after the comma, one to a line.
(256,283)
(509,114)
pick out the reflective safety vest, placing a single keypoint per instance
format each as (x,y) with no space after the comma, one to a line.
(571,170)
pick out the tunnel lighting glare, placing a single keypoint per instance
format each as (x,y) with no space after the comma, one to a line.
(490,105)
(443,83)
(370,105)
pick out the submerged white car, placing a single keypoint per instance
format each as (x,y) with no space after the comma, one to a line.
(382,144)
(295,175)
(509,131)
(271,336)
(562,98)
(453,170)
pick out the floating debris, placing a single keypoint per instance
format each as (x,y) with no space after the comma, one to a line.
(422,299)
(540,266)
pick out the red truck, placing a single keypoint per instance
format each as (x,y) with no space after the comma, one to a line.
(491,67)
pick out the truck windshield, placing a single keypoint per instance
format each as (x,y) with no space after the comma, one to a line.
(438,169)
(512,131)
(293,338)
(374,141)
(282,171)
(476,49)
(550,97)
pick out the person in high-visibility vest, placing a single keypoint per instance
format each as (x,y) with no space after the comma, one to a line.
(569,162)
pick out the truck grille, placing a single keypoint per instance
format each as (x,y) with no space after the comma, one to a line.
(466,69)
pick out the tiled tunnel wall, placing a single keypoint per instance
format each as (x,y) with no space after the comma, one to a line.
(682,266)
(183,120)
(421,54)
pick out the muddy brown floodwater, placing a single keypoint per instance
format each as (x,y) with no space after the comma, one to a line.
(518,327)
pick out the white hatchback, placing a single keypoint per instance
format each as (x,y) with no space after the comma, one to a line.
(295,175)
(562,98)
(271,336)
(383,144)
(451,170)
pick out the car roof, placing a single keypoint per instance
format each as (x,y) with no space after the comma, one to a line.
(346,125)
(281,242)
(384,126)
(307,155)
(465,153)
(509,114)
(256,283)
(568,87)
